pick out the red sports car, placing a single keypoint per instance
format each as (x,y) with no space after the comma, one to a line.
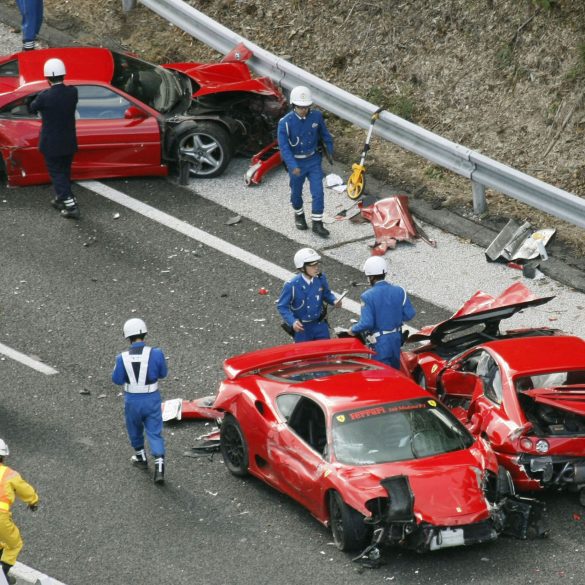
(527,397)
(135,118)
(366,450)
(478,320)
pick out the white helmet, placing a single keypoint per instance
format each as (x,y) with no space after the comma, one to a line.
(301,96)
(305,255)
(375,266)
(54,68)
(3,449)
(134,327)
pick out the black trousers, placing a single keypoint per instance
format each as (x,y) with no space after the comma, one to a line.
(59,168)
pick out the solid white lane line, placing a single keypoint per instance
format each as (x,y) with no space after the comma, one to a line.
(199,235)
(29,575)
(27,360)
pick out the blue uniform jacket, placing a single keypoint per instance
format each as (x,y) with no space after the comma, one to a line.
(298,136)
(157,365)
(57,107)
(385,307)
(303,301)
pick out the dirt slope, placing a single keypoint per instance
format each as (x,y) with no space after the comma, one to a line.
(504,77)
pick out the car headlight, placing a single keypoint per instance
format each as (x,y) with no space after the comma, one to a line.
(542,446)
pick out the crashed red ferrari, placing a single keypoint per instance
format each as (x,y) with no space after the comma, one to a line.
(524,391)
(365,450)
(135,118)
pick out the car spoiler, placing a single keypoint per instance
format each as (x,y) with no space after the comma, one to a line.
(246,363)
(483,308)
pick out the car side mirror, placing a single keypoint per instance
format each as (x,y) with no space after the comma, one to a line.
(134,113)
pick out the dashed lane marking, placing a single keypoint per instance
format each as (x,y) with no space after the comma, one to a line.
(27,360)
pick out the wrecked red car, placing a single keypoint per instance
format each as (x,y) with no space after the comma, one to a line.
(478,320)
(365,450)
(527,397)
(135,118)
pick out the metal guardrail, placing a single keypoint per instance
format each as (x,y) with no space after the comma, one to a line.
(481,170)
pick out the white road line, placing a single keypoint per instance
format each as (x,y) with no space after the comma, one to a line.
(29,575)
(27,360)
(199,235)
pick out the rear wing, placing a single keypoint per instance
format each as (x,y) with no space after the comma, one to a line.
(246,363)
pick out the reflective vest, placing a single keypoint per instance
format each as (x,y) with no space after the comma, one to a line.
(6,496)
(138,385)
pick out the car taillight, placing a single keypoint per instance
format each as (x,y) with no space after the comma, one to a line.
(542,446)
(526,444)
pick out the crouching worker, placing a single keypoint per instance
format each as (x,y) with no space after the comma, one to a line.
(301,302)
(385,307)
(139,370)
(11,486)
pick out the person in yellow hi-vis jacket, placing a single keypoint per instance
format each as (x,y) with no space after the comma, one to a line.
(12,485)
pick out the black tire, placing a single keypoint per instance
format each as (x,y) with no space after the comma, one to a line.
(207,149)
(233,446)
(350,533)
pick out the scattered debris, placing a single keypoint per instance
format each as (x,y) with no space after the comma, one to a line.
(84,391)
(392,222)
(116,215)
(199,409)
(234,220)
(262,291)
(520,247)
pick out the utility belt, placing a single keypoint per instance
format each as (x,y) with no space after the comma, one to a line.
(4,507)
(309,155)
(372,338)
(138,389)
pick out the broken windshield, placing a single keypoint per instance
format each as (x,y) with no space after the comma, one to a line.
(154,86)
(400,431)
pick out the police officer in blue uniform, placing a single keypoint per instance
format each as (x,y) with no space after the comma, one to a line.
(139,370)
(300,135)
(385,307)
(32,19)
(301,302)
(58,140)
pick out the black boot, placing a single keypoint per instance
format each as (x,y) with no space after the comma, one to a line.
(9,578)
(301,222)
(139,458)
(70,209)
(159,470)
(57,203)
(320,230)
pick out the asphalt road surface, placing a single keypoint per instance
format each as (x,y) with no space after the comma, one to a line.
(67,287)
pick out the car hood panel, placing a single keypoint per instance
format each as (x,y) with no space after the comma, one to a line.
(482,307)
(571,400)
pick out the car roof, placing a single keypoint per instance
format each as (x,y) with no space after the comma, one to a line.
(81,63)
(541,354)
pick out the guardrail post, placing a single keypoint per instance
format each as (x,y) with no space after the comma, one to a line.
(479,200)
(128,5)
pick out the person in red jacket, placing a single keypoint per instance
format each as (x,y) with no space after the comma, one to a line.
(11,486)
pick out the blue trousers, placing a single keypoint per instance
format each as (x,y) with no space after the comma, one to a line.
(313,331)
(387,349)
(310,169)
(32,18)
(59,168)
(143,412)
